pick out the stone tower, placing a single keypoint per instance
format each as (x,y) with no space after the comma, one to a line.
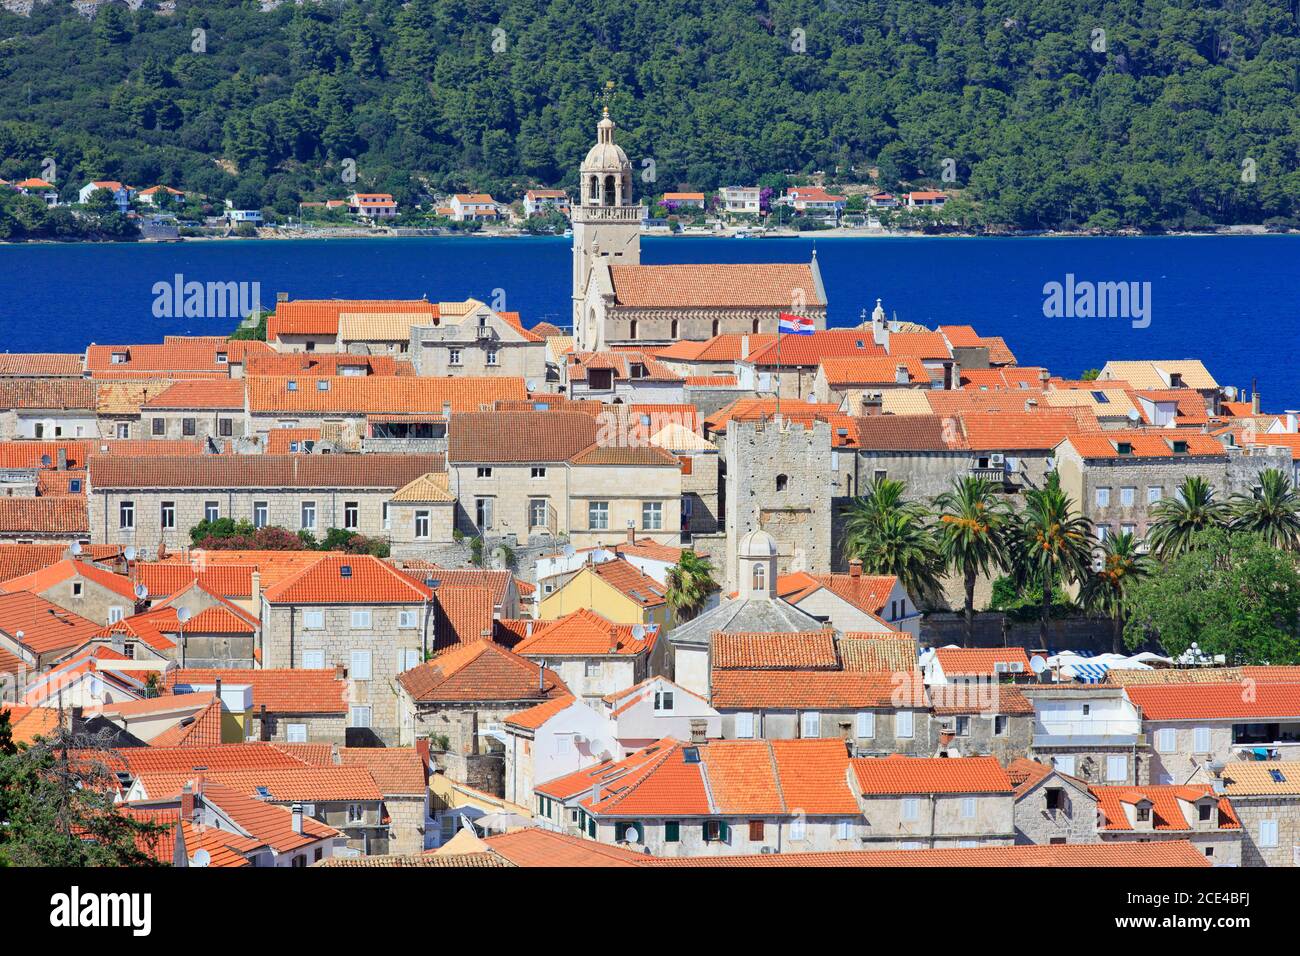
(606,223)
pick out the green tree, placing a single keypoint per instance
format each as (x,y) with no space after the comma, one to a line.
(1051,542)
(1273,512)
(1176,521)
(690,582)
(1231,594)
(973,521)
(1109,589)
(889,535)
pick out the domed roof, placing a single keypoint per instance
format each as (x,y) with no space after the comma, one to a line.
(606,156)
(757,544)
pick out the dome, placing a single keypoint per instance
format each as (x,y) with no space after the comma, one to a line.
(757,544)
(606,156)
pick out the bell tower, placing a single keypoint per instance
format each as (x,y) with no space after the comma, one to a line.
(606,226)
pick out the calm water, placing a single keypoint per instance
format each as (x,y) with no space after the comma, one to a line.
(1232,301)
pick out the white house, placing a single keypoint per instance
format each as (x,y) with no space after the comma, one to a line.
(466,207)
(552,739)
(1090,731)
(658,708)
(741,199)
(539,201)
(121,194)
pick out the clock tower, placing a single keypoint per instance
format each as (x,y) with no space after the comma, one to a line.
(606,224)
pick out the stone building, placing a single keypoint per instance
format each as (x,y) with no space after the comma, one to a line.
(980,719)
(471,339)
(1093,732)
(1051,807)
(282,705)
(619,301)
(196,409)
(593,656)
(1266,798)
(154,502)
(357,612)
(82,587)
(420,514)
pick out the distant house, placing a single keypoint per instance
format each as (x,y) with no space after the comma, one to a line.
(815,201)
(473,207)
(741,199)
(926,198)
(121,194)
(244,215)
(328,205)
(40,188)
(883,201)
(372,205)
(683,200)
(153,195)
(539,201)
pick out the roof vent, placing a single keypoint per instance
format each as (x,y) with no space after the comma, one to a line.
(345,570)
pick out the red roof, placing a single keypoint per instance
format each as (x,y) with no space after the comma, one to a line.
(981,661)
(62,515)
(810,350)
(731,285)
(896,774)
(46,627)
(480,671)
(321,316)
(780,651)
(1166,808)
(829,690)
(1216,701)
(584,633)
(201,394)
(282,691)
(48,577)
(348,579)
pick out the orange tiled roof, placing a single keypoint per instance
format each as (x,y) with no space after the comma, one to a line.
(1166,806)
(724,348)
(1215,701)
(842,370)
(279,440)
(281,690)
(19,559)
(64,514)
(963,698)
(744,285)
(465,613)
(177,356)
(505,437)
(866,592)
(368,580)
(372,394)
(324,363)
(843,427)
(774,651)
(201,393)
(39,364)
(584,633)
(881,776)
(397,771)
(620,363)
(878,651)
(533,717)
(47,577)
(321,316)
(1144,444)
(192,760)
(979,660)
(48,393)
(832,690)
(262,471)
(479,671)
(929,346)
(810,350)
(631,582)
(46,627)
(286,784)
(1114,856)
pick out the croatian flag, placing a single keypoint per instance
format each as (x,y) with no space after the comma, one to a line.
(792,324)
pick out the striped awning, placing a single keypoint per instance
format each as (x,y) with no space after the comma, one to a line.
(1088,673)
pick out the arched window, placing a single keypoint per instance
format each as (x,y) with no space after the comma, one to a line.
(595,189)
(760,577)
(631,329)
(755,328)
(715,326)
(781,482)
(674,329)
(609,191)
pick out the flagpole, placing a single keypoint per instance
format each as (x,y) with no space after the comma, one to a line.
(778,364)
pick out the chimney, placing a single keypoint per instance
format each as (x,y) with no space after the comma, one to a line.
(282,297)
(256,591)
(340,672)
(187,801)
(1254,401)
(595,793)
(699,731)
(744,347)
(631,534)
(1044,376)
(1292,416)
(63,459)
(855,568)
(297,818)
(900,375)
(264,725)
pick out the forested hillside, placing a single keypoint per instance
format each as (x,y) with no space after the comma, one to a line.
(1183,112)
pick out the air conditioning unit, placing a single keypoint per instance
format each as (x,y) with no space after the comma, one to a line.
(997,461)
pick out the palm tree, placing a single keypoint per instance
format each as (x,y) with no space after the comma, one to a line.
(1273,512)
(889,535)
(1122,564)
(1176,521)
(690,582)
(973,521)
(1051,540)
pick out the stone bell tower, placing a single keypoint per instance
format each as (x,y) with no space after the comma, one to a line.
(606,225)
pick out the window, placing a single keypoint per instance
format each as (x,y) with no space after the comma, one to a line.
(999,725)
(1116,768)
(313,620)
(1166,740)
(408,657)
(296,734)
(308,515)
(386,517)
(225,427)
(158,426)
(313,660)
(74,486)
(115,614)
(716,831)
(360,665)
(453,356)
(756,831)
(1203,812)
(781,482)
(968,808)
(760,577)
(126,515)
(407,619)
(260,512)
(1201,740)
(844,830)
(537,513)
(76,589)
(483,513)
(866,724)
(672,831)
(1055,798)
(1154,494)
(810,724)
(598,515)
(422,525)
(652,515)
(491,356)
(1126,496)
(744,726)
(664,700)
(355,813)
(187,426)
(591,668)
(903,723)
(351,516)
(1268,833)
(963,725)
(799,828)
(1103,532)
(910,809)
(1103,497)
(123,430)
(537,472)
(211,510)
(361,620)
(563,744)
(484,472)
(167,515)
(1064,763)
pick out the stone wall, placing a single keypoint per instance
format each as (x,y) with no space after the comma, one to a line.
(485,772)
(1285,810)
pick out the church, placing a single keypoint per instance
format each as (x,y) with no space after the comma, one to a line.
(617,301)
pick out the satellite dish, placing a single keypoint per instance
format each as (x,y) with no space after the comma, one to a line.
(182,614)
(811,399)
(570,550)
(1037,664)
(76,547)
(1230,393)
(1133,416)
(632,834)
(531,384)
(200,858)
(141,592)
(638,631)
(45,461)
(129,553)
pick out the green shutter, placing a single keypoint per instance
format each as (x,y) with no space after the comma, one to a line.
(591,827)
(672,831)
(724,832)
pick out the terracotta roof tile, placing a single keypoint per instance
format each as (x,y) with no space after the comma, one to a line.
(883,776)
(810,350)
(262,471)
(878,651)
(831,690)
(584,633)
(465,614)
(770,285)
(1166,808)
(281,690)
(480,671)
(366,580)
(63,514)
(875,370)
(981,661)
(1115,856)
(370,394)
(46,627)
(1216,701)
(397,771)
(321,316)
(40,364)
(200,394)
(65,570)
(533,717)
(1144,444)
(177,356)
(507,437)
(48,393)
(776,651)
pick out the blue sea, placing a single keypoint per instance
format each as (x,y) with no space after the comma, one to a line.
(1233,301)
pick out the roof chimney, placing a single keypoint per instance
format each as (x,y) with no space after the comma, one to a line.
(282,297)
(187,801)
(699,731)
(595,793)
(855,568)
(297,818)
(63,459)
(901,377)
(255,590)
(631,533)
(1044,376)
(1031,404)
(264,726)
(744,346)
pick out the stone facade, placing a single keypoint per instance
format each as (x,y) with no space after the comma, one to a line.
(1056,809)
(1280,809)
(778,479)
(193,424)
(1004,736)
(933,821)
(884,726)
(481,343)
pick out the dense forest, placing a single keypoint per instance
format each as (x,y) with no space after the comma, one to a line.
(1044,113)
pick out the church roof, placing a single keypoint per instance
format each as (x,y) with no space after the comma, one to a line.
(755,616)
(717,285)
